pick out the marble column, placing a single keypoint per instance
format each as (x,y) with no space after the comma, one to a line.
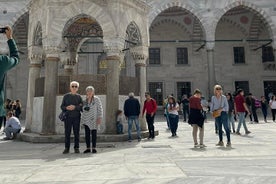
(34,73)
(112,92)
(211,68)
(140,55)
(50,93)
(141,74)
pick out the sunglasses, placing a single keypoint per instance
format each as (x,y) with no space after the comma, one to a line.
(74,86)
(218,88)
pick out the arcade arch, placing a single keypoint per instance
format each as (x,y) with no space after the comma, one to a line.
(242,34)
(176,38)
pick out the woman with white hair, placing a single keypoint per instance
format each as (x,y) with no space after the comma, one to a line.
(91,117)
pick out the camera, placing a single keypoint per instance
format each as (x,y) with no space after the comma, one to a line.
(86,108)
(3,29)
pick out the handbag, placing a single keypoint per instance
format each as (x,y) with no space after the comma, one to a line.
(62,116)
(216,113)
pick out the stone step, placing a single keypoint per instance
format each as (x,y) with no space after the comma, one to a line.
(38,138)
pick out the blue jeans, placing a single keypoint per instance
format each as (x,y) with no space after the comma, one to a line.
(241,116)
(9,131)
(130,120)
(173,123)
(223,120)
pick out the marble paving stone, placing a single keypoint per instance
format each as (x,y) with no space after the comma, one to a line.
(252,159)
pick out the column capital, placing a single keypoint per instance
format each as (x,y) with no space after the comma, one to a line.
(114,46)
(52,51)
(64,58)
(210,45)
(36,58)
(140,54)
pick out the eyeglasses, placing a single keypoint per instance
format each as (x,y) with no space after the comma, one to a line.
(218,88)
(74,86)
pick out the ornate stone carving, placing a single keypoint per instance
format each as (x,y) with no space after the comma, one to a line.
(133,34)
(79,28)
(37,41)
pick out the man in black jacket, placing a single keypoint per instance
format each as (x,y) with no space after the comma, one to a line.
(132,112)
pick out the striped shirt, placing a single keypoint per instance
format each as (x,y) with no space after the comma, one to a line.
(95,111)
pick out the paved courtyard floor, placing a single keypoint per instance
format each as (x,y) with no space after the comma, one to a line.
(252,159)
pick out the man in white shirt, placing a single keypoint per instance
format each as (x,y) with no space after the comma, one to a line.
(13,126)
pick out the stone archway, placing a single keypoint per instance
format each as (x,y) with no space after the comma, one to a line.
(176,38)
(242,34)
(161,7)
(76,30)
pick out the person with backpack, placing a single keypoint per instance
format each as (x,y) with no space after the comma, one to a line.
(150,108)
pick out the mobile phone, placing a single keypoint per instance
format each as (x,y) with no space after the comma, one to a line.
(3,29)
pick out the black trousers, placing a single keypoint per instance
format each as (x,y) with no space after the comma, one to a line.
(150,122)
(88,132)
(273,112)
(2,119)
(68,125)
(185,111)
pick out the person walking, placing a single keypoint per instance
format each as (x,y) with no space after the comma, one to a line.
(166,113)
(91,118)
(231,112)
(173,109)
(132,112)
(150,108)
(185,107)
(264,106)
(72,105)
(272,104)
(196,119)
(253,108)
(219,103)
(240,109)
(7,63)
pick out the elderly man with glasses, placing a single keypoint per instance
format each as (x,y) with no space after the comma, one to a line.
(72,104)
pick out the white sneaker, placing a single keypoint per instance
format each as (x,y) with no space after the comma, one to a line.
(196,146)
